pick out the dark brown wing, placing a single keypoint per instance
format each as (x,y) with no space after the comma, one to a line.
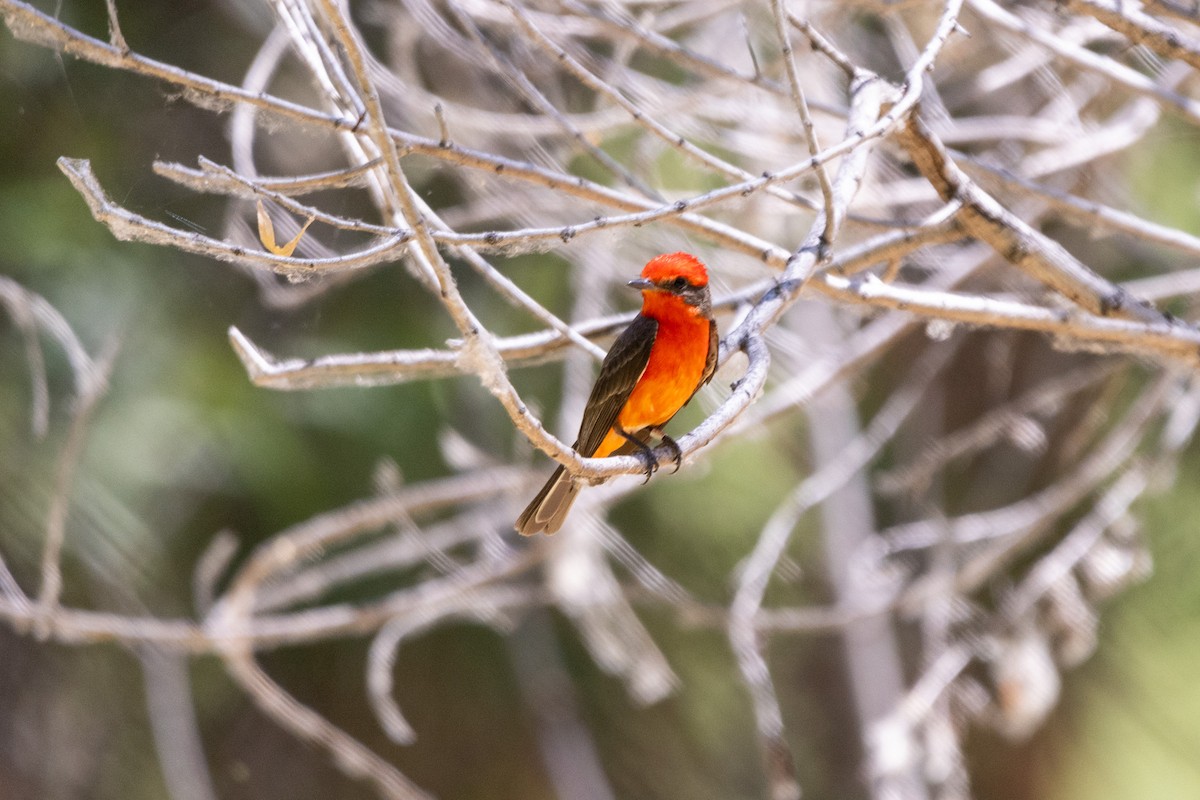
(622,367)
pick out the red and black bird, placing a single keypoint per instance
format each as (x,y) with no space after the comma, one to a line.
(653,369)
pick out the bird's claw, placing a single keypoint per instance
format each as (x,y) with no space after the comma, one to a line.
(649,461)
(676,450)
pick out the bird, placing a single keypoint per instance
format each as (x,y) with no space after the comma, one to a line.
(653,369)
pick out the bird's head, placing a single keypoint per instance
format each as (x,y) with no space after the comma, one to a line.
(680,275)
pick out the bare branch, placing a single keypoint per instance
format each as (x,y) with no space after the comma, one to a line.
(1026,248)
(1166,339)
(94,386)
(347,752)
(1142,29)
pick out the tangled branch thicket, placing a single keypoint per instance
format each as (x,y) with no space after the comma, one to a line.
(917,245)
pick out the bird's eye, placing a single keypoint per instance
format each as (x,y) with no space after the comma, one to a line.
(679,284)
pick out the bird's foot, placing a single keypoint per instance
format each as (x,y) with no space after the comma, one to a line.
(676,452)
(673,446)
(643,452)
(648,461)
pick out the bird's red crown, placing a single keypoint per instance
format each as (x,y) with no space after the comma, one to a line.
(672,265)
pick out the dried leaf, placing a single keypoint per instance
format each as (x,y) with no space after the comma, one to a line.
(266,233)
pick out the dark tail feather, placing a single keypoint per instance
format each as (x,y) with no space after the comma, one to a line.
(549,508)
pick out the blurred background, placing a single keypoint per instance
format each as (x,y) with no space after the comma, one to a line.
(183,446)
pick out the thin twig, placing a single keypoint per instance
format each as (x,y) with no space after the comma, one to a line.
(95,385)
(810,133)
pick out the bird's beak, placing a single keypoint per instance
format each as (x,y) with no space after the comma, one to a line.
(641,284)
